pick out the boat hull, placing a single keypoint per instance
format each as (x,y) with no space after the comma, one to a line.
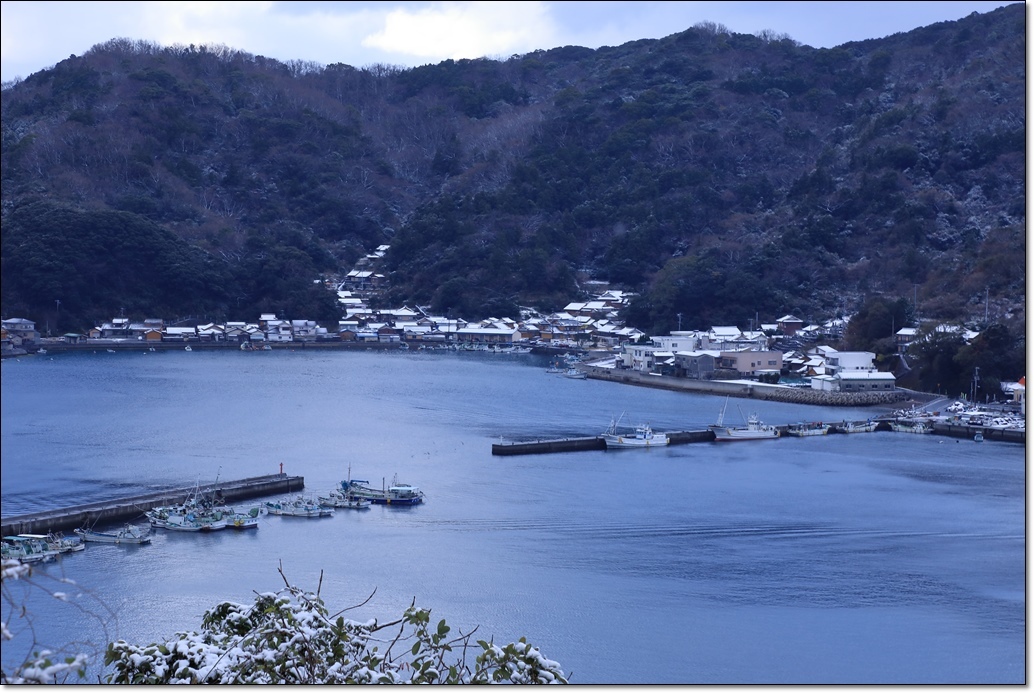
(729,435)
(626,442)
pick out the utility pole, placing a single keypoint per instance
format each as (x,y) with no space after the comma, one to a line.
(680,321)
(976,383)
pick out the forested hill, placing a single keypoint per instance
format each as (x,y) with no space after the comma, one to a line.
(720,175)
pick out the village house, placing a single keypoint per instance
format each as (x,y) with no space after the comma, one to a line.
(789,325)
(22,330)
(698,365)
(751,363)
(179,334)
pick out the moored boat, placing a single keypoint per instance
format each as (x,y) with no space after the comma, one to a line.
(396,494)
(754,430)
(857,427)
(910,427)
(801,430)
(299,506)
(128,534)
(26,549)
(338,499)
(642,437)
(574,374)
(56,541)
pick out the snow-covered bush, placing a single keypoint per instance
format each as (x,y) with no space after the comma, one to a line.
(290,637)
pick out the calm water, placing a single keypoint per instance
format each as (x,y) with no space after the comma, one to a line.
(873,558)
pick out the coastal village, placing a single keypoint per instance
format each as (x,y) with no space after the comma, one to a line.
(787,350)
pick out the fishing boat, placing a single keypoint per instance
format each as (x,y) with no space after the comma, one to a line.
(978,438)
(338,499)
(574,374)
(396,494)
(177,520)
(554,368)
(55,541)
(299,506)
(910,427)
(802,430)
(26,549)
(643,437)
(127,535)
(754,430)
(857,427)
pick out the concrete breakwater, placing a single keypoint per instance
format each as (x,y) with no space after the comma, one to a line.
(748,389)
(132,507)
(541,447)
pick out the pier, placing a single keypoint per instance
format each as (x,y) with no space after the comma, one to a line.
(541,447)
(131,508)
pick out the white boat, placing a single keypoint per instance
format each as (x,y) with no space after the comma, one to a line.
(857,427)
(26,549)
(754,430)
(58,542)
(643,437)
(127,535)
(802,430)
(396,494)
(978,438)
(299,507)
(177,521)
(338,499)
(917,427)
(187,348)
(574,374)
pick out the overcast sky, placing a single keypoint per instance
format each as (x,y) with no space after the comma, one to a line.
(37,35)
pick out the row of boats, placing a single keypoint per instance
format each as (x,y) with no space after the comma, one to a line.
(643,436)
(38,548)
(203,513)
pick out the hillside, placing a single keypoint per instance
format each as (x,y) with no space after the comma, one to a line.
(719,175)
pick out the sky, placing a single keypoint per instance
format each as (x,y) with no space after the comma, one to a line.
(37,35)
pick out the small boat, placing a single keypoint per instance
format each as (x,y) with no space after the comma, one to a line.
(978,438)
(396,494)
(127,535)
(26,549)
(554,368)
(802,430)
(857,427)
(575,374)
(337,499)
(242,521)
(58,542)
(299,507)
(754,430)
(917,427)
(174,520)
(187,348)
(643,437)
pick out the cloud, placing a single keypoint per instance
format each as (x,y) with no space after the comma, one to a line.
(465,30)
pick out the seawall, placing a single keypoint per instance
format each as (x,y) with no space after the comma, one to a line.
(747,389)
(131,508)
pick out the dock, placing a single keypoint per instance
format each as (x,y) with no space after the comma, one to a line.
(541,447)
(131,508)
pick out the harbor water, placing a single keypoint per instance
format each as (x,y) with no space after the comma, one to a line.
(873,558)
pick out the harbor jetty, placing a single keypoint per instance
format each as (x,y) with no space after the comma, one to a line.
(133,507)
(540,447)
